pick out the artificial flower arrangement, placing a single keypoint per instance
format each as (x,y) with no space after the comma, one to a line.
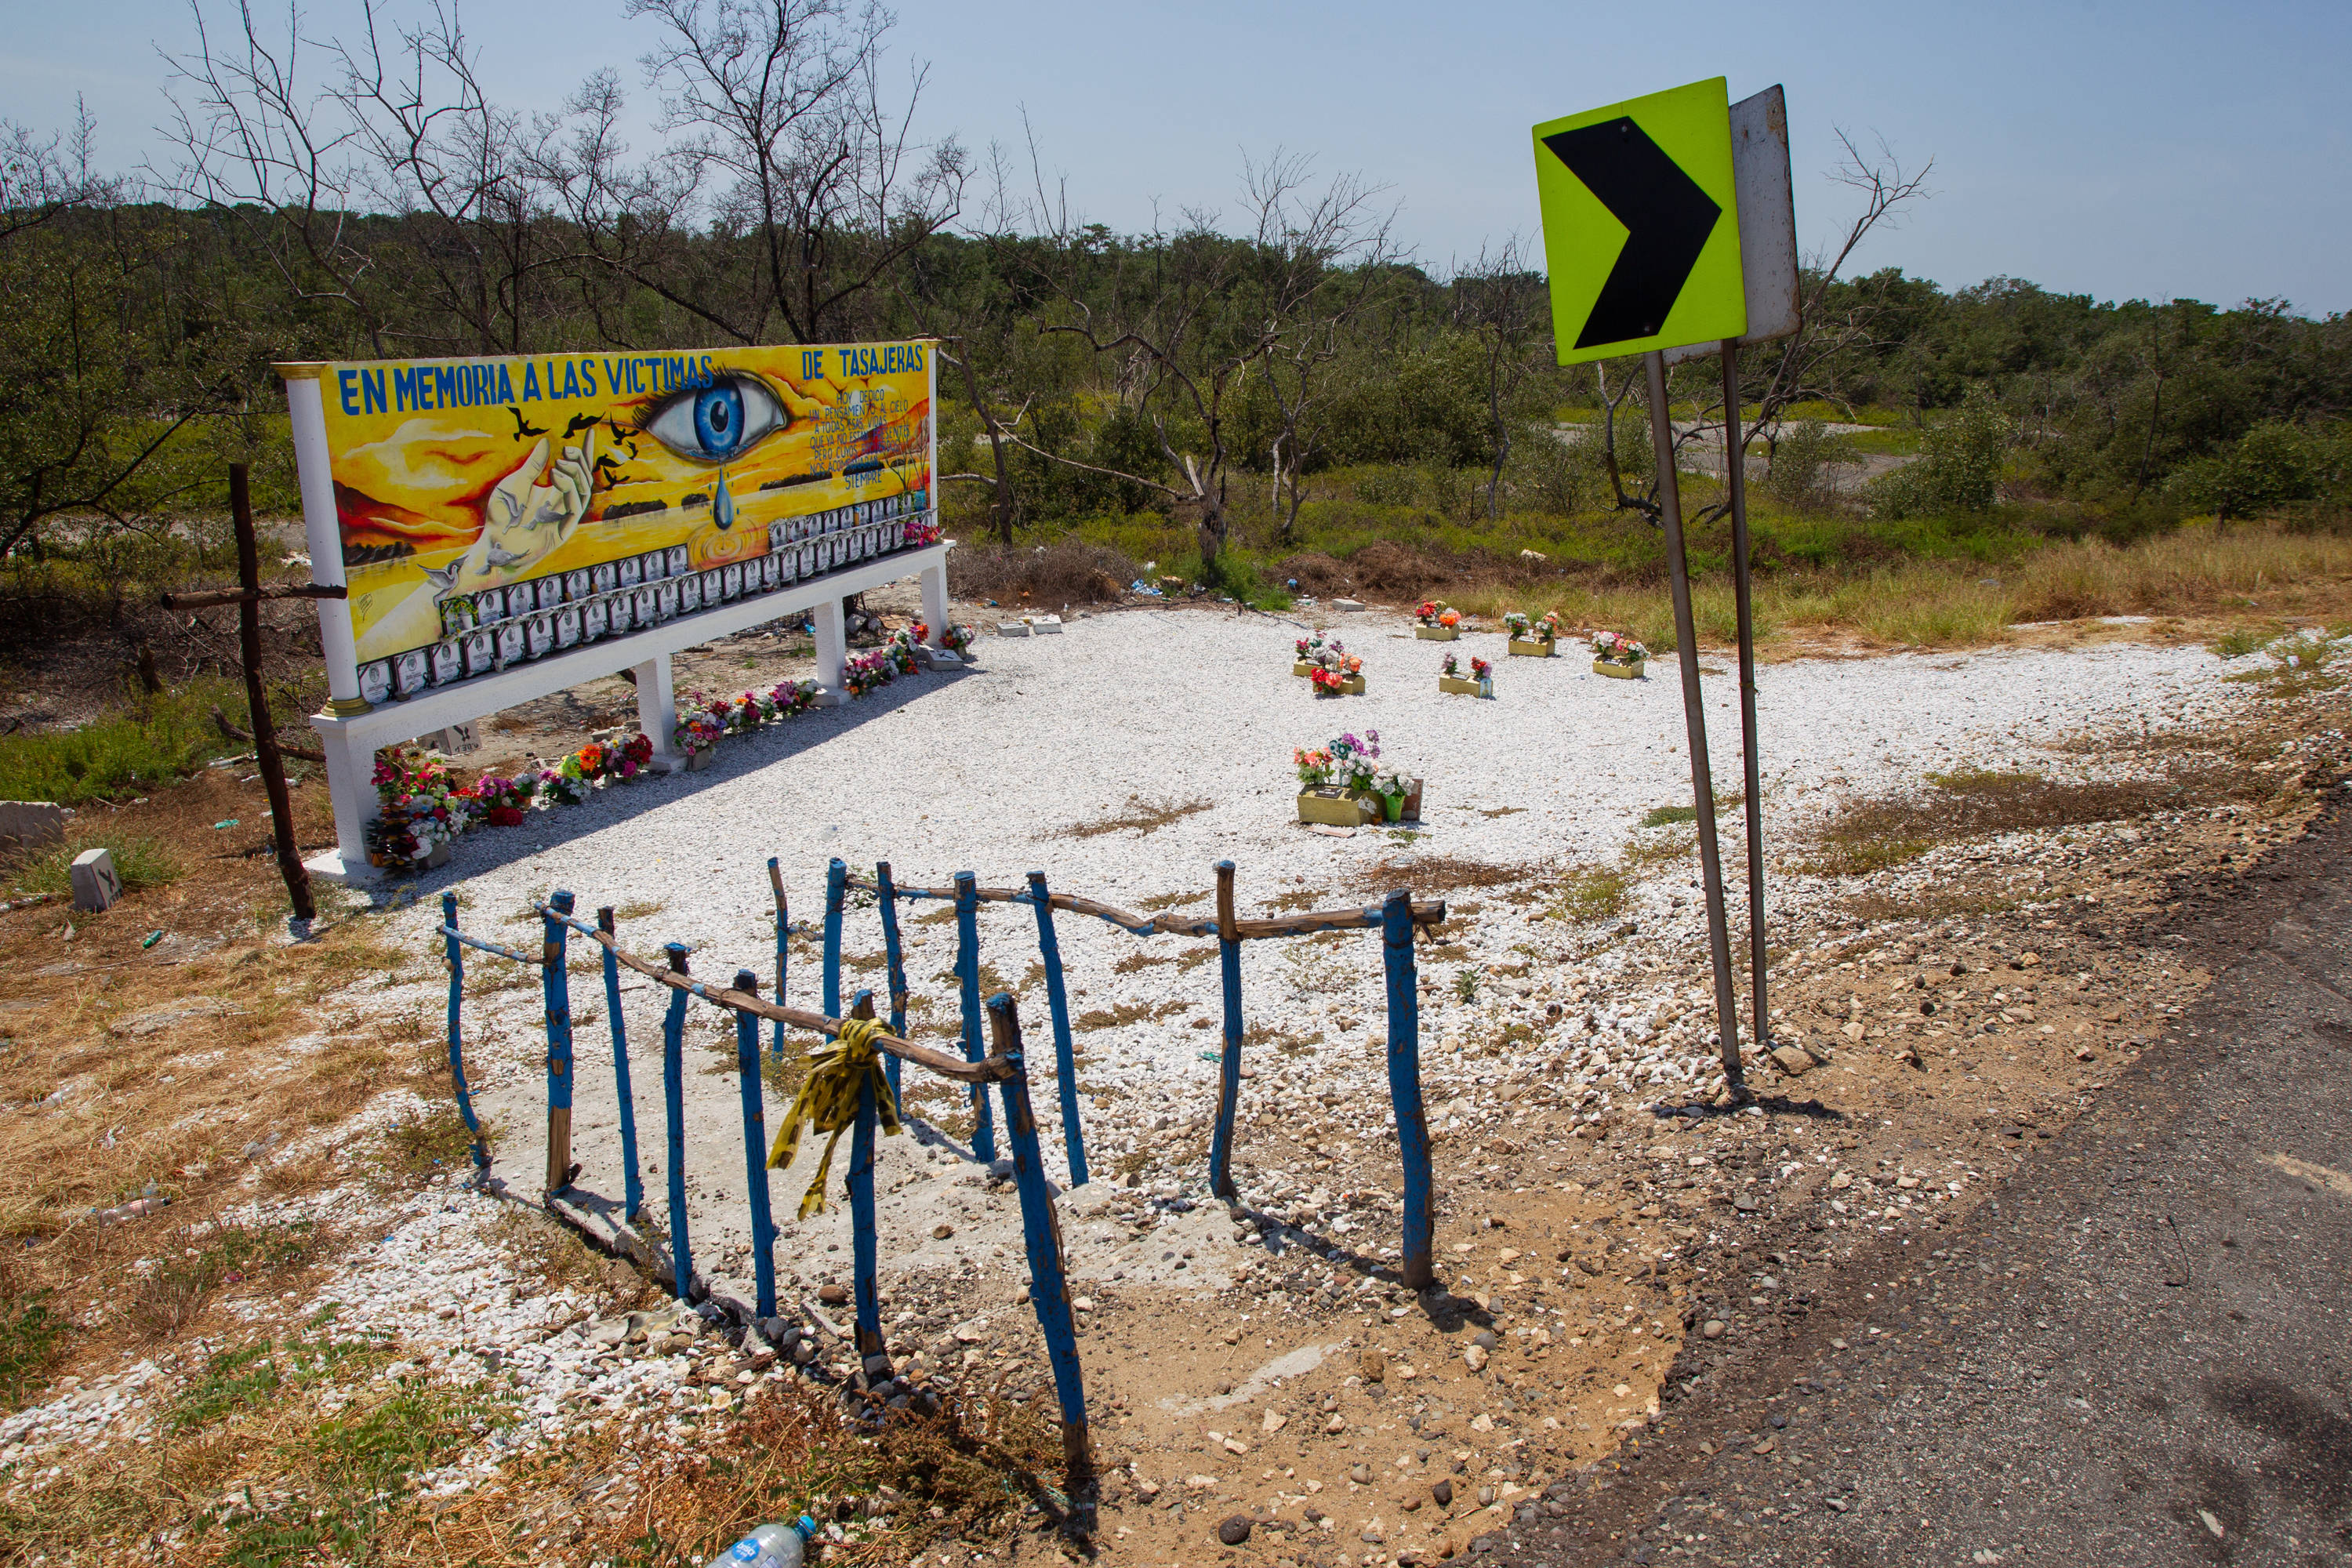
(502,800)
(865,672)
(1328,665)
(632,757)
(1618,654)
(1349,764)
(1618,648)
(1437,621)
(922,530)
(1542,628)
(900,648)
(787,697)
(957,639)
(570,780)
(697,730)
(1310,653)
(1450,676)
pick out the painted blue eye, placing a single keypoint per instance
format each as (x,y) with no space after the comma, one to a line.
(719,422)
(719,419)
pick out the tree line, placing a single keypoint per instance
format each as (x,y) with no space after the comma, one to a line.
(366,197)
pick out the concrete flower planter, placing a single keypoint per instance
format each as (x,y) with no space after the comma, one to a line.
(1457,686)
(1332,808)
(1620,671)
(1532,649)
(1437,634)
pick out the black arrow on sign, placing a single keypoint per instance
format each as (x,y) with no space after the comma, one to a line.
(1668,219)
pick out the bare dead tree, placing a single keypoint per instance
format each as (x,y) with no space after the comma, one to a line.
(259,141)
(1498,300)
(783,140)
(1187,316)
(1795,369)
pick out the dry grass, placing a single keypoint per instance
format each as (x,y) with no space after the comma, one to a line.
(1878,832)
(1140,816)
(1125,1013)
(2195,573)
(1159,901)
(1437,874)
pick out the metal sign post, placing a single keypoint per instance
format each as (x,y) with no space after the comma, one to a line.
(1670,513)
(1670,231)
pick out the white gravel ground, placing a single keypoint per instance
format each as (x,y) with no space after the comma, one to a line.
(987,771)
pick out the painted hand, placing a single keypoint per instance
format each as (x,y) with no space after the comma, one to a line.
(524,521)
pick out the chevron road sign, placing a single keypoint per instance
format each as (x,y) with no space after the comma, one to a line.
(1641,224)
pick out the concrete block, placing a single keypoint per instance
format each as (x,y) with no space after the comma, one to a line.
(95,884)
(29,823)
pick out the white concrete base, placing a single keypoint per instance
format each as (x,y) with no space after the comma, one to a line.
(330,866)
(830,699)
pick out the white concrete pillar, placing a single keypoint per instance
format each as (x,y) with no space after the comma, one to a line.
(831,650)
(351,786)
(657,713)
(323,529)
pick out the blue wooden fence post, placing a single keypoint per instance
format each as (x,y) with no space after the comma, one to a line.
(865,1241)
(555,987)
(1040,1229)
(1404,1085)
(1229,1068)
(967,908)
(682,1257)
(635,1188)
(836,894)
(755,1147)
(885,893)
(456,1045)
(784,931)
(1058,1002)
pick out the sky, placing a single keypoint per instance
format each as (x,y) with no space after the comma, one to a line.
(2150,150)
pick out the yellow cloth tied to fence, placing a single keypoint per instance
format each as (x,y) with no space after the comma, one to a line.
(828,1101)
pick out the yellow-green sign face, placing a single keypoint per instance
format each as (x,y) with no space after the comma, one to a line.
(1641,226)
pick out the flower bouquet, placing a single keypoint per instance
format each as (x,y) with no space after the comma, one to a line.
(567,783)
(697,730)
(1619,654)
(787,697)
(865,672)
(900,649)
(1309,653)
(1436,622)
(957,639)
(502,801)
(631,758)
(922,530)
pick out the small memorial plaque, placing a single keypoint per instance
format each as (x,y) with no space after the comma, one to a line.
(411,671)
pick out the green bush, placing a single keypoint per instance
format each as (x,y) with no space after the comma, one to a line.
(1957,471)
(1805,463)
(2270,465)
(161,740)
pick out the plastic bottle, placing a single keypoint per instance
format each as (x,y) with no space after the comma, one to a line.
(769,1546)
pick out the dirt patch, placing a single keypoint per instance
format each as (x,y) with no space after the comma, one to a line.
(1043,578)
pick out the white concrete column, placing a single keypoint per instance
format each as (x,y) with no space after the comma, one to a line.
(657,713)
(831,650)
(934,579)
(306,407)
(350,785)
